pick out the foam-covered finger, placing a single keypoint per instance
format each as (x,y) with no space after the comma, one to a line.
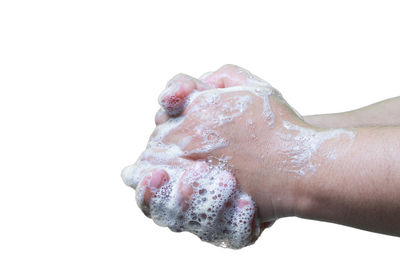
(185,195)
(231,75)
(157,179)
(204,199)
(161,117)
(178,89)
(190,181)
(146,194)
(133,174)
(149,187)
(244,228)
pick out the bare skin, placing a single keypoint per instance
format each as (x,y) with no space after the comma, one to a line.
(384,113)
(359,188)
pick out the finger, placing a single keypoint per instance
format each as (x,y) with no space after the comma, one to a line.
(161,117)
(154,182)
(244,228)
(207,197)
(149,187)
(173,98)
(189,182)
(231,75)
(201,187)
(204,196)
(256,227)
(132,174)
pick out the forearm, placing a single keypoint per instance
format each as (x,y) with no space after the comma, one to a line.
(383,113)
(361,187)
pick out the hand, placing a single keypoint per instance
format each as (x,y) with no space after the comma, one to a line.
(247,134)
(254,118)
(251,149)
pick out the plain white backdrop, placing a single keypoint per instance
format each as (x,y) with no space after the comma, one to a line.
(79,82)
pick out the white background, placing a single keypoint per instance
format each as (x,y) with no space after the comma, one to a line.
(79,82)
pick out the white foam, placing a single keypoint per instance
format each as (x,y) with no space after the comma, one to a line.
(214,213)
(304,142)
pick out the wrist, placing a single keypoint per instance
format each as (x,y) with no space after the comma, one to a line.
(360,187)
(329,159)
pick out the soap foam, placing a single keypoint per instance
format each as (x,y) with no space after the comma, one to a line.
(215,213)
(306,143)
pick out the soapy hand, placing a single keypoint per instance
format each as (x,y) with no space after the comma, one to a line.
(218,141)
(259,124)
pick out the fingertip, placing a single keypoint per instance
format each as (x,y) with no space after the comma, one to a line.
(128,175)
(152,182)
(173,98)
(161,117)
(172,104)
